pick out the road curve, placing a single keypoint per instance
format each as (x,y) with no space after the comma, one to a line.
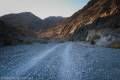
(59,61)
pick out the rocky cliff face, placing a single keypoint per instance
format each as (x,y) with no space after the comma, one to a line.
(98,22)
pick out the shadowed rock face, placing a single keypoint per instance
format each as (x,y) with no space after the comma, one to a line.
(19,28)
(12,35)
(22,27)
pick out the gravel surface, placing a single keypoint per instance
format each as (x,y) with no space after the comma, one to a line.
(59,61)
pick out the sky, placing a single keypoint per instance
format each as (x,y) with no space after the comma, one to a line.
(42,8)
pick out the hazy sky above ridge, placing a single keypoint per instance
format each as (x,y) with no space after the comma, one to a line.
(42,8)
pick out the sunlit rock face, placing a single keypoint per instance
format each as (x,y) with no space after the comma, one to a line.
(103,23)
(94,10)
(92,23)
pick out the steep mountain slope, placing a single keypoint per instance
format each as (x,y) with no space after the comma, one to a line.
(97,17)
(103,30)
